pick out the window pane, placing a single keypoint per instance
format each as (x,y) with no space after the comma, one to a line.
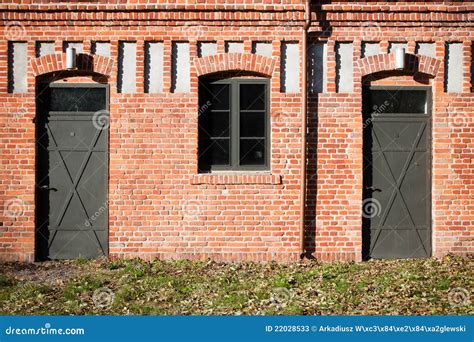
(214,152)
(218,111)
(394,101)
(214,124)
(252,152)
(252,124)
(215,96)
(77,99)
(252,96)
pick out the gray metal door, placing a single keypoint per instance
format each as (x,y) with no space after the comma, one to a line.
(72,171)
(397,179)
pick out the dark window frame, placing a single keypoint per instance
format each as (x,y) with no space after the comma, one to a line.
(103,86)
(426,89)
(234,132)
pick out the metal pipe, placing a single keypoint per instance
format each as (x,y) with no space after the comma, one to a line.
(400,58)
(70,58)
(304,108)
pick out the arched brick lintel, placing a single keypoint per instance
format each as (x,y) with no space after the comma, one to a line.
(235,62)
(93,64)
(386,62)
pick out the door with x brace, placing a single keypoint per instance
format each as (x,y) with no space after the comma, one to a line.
(397,180)
(72,171)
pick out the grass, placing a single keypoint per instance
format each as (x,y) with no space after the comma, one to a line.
(134,287)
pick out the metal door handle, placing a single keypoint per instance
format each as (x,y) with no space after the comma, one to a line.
(45,187)
(372,188)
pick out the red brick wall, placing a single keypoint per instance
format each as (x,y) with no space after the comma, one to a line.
(335,158)
(161,207)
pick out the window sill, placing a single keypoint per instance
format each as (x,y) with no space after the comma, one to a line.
(235,178)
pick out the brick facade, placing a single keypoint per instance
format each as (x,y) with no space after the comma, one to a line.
(160,206)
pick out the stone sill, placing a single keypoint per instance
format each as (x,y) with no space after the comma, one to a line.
(230,178)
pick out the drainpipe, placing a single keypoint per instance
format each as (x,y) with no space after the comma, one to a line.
(304,108)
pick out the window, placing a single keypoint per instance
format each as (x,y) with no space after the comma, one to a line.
(395,100)
(233,125)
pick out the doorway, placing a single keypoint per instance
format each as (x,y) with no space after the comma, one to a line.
(397,172)
(72,171)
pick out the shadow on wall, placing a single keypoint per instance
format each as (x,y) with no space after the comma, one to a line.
(311,177)
(10,68)
(316,86)
(42,235)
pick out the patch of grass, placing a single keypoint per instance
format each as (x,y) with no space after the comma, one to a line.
(281,280)
(341,285)
(81,261)
(127,293)
(26,291)
(6,281)
(137,287)
(442,284)
(115,264)
(87,284)
(361,285)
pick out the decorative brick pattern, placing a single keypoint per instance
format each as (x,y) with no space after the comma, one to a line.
(386,62)
(93,64)
(235,62)
(235,179)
